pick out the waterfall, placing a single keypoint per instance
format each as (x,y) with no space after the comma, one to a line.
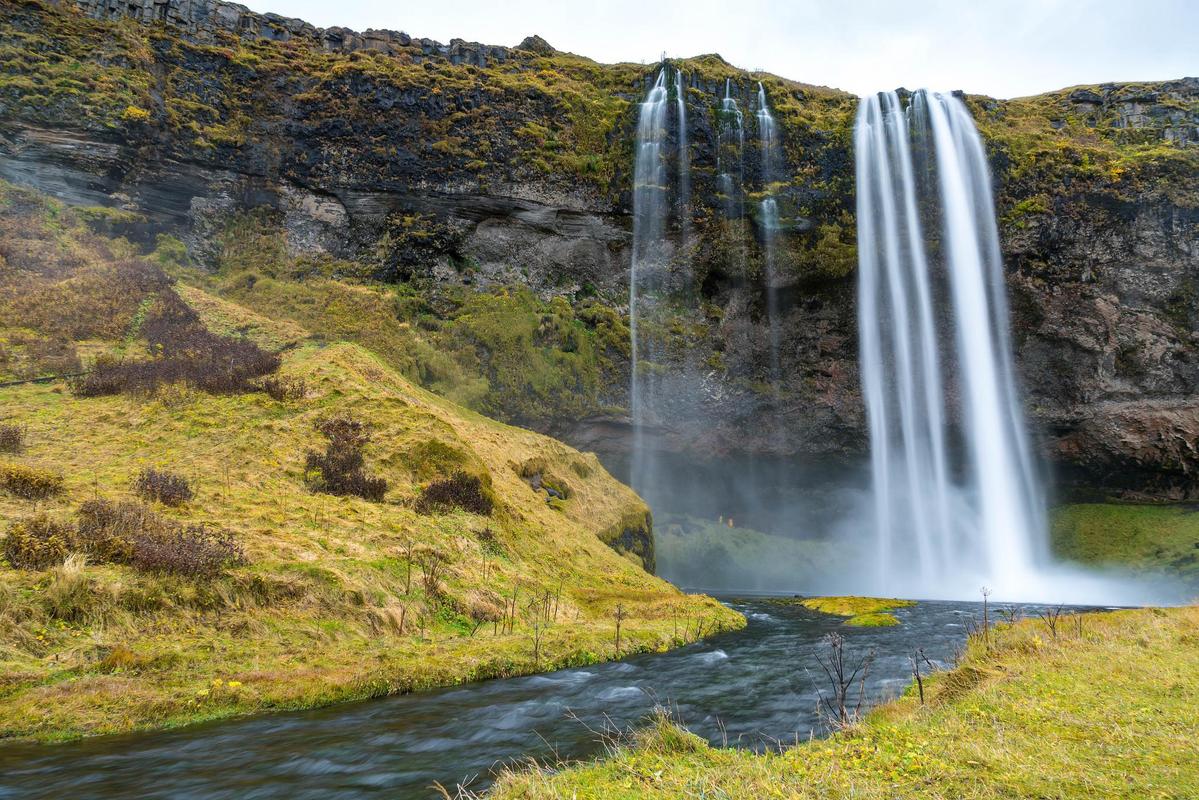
(684,160)
(768,146)
(946,515)
(649,221)
(730,184)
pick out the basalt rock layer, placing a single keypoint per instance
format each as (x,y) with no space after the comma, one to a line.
(472,167)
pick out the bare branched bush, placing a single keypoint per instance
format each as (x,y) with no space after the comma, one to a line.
(130,533)
(164,486)
(192,550)
(484,607)
(460,490)
(847,677)
(1050,617)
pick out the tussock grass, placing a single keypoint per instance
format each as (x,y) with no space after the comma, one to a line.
(1101,711)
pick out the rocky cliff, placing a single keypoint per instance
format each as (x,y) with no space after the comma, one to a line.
(464,168)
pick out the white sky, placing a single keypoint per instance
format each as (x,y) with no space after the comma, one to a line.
(1004,48)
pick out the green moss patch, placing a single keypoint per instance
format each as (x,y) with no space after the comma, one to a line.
(849,606)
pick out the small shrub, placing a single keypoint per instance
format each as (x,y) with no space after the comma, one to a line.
(12,439)
(30,483)
(37,543)
(130,533)
(106,530)
(284,389)
(193,551)
(459,490)
(340,469)
(165,487)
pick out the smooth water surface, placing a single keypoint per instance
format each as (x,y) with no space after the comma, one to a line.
(753,688)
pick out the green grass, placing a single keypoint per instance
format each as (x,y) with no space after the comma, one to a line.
(1153,538)
(875,620)
(849,606)
(1108,713)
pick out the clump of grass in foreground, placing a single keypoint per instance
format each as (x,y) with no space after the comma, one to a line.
(1107,712)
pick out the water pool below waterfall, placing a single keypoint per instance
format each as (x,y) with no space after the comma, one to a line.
(753,688)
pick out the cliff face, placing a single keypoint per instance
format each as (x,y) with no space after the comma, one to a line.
(466,167)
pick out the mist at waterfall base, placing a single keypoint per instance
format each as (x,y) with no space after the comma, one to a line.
(952,498)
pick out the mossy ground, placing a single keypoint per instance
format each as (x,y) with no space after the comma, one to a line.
(1102,711)
(1154,538)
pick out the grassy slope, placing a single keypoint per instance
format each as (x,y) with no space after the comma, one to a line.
(1141,537)
(312,618)
(1109,714)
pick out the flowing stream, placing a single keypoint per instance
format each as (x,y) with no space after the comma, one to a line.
(752,688)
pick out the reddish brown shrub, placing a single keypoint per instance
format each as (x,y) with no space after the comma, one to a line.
(341,469)
(165,487)
(459,490)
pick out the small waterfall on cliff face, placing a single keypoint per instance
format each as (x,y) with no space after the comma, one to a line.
(648,258)
(922,172)
(732,138)
(768,146)
(684,160)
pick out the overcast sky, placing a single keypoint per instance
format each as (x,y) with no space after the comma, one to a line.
(1004,48)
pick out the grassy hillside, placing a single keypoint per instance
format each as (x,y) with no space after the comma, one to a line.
(1140,537)
(329,597)
(1107,712)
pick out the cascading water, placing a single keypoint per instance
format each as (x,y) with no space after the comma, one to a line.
(768,146)
(684,157)
(649,219)
(953,526)
(732,138)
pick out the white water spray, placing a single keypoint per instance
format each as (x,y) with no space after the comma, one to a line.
(951,529)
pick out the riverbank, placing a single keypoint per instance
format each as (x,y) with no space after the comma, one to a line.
(1098,706)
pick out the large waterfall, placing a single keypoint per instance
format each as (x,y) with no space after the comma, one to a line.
(936,356)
